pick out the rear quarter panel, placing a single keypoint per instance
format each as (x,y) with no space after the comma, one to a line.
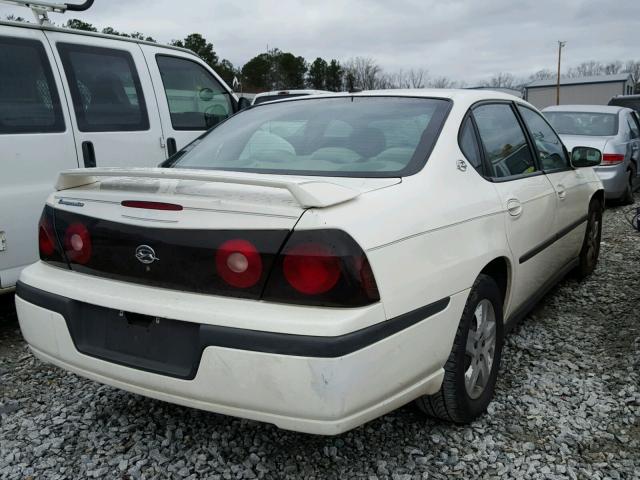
(428,237)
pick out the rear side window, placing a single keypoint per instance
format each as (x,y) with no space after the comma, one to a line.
(106,91)
(29,101)
(197,101)
(548,144)
(505,144)
(469,145)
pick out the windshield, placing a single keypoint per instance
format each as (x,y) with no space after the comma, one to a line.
(344,136)
(584,123)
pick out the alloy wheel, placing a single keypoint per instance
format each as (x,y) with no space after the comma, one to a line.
(480,349)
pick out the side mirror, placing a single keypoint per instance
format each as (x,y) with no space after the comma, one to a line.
(243,102)
(585,157)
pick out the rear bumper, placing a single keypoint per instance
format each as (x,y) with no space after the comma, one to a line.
(614,180)
(308,383)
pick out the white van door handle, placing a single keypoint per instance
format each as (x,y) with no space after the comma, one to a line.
(514,207)
(562,193)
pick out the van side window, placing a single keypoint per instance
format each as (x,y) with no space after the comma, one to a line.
(197,101)
(29,101)
(106,91)
(506,148)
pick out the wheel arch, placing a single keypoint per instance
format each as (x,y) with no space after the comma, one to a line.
(599,195)
(501,271)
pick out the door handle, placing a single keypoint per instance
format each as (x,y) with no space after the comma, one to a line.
(171,146)
(88,154)
(562,193)
(514,207)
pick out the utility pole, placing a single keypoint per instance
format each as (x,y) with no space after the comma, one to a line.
(560,46)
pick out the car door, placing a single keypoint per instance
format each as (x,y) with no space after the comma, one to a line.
(115,115)
(36,142)
(527,196)
(571,186)
(191,97)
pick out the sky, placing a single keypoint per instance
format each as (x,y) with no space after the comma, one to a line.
(462,39)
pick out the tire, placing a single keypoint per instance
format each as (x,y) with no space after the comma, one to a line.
(627,196)
(590,250)
(454,402)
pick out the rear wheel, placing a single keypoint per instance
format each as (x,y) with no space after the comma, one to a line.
(591,243)
(472,368)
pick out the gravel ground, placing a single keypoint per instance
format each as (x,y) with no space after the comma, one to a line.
(567,406)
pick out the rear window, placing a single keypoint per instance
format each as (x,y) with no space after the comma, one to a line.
(584,123)
(345,136)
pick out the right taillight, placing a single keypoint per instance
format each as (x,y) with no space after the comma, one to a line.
(322,267)
(612,158)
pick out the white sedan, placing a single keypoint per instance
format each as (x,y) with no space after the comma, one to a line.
(319,261)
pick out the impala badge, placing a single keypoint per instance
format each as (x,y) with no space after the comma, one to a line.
(462,165)
(145,254)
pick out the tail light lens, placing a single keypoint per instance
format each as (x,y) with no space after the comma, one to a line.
(77,243)
(239,263)
(48,244)
(322,267)
(612,158)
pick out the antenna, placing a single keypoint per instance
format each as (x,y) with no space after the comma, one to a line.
(41,9)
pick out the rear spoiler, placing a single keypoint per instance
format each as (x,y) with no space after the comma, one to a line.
(307,192)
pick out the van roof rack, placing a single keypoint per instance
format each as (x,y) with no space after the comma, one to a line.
(41,9)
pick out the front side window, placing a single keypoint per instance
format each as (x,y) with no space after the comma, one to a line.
(506,148)
(29,101)
(548,144)
(106,91)
(584,123)
(341,136)
(197,101)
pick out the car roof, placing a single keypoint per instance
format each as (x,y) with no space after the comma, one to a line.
(586,108)
(455,94)
(52,28)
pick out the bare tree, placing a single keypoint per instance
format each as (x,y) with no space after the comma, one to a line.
(612,68)
(632,67)
(364,71)
(586,69)
(501,80)
(544,74)
(441,82)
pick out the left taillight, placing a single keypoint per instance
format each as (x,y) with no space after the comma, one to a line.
(48,244)
(77,243)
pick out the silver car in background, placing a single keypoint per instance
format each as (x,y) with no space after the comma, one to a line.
(615,131)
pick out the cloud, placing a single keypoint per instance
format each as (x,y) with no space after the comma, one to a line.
(463,39)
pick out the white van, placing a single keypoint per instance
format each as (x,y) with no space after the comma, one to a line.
(71,99)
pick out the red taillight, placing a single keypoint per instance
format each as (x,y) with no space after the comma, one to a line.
(239,263)
(612,158)
(324,267)
(151,205)
(77,243)
(46,237)
(311,268)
